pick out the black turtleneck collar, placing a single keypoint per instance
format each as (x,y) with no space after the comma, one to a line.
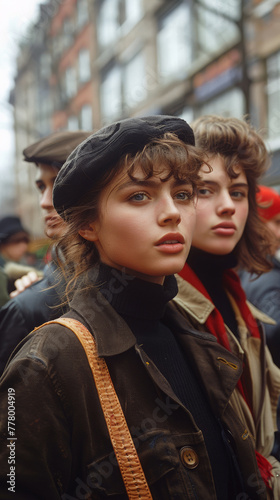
(131,296)
(210,268)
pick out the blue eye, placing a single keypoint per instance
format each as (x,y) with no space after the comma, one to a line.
(138,197)
(184,195)
(238,194)
(203,192)
(41,187)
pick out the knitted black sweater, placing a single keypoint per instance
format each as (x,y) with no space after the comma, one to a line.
(141,304)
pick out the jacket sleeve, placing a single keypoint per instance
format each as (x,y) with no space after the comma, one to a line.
(4,296)
(13,329)
(34,436)
(270,305)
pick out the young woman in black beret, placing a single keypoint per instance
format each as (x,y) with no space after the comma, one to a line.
(128,196)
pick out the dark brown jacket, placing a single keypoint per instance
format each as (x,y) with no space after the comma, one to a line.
(63,449)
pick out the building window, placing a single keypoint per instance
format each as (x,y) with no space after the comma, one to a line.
(116,14)
(214,31)
(82,13)
(57,46)
(108,22)
(70,82)
(84,66)
(45,66)
(135,88)
(72,123)
(273,95)
(44,110)
(131,11)
(67,32)
(230,103)
(86,117)
(174,42)
(111,94)
(187,114)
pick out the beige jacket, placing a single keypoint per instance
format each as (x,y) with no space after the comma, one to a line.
(262,375)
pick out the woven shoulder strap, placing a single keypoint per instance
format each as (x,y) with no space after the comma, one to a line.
(126,454)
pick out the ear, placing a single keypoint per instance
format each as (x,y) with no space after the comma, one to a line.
(89,232)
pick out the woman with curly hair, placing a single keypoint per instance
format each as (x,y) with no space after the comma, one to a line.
(229,233)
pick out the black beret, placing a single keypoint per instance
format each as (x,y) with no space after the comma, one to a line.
(99,152)
(9,226)
(55,148)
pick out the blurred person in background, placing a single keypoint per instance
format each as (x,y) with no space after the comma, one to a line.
(4,295)
(39,301)
(264,291)
(14,240)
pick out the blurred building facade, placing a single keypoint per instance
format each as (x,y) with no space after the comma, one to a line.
(86,63)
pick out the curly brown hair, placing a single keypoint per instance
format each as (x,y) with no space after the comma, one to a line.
(239,144)
(183,162)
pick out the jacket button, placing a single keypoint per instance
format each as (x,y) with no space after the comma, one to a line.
(189,457)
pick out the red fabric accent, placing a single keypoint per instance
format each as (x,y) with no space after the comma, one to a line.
(215,323)
(268,202)
(265,469)
(233,285)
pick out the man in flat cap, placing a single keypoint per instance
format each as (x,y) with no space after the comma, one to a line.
(40,302)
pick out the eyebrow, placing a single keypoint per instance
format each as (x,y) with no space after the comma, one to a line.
(39,180)
(234,184)
(149,183)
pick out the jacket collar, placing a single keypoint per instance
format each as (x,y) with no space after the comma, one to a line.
(193,301)
(199,307)
(113,337)
(111,332)
(261,316)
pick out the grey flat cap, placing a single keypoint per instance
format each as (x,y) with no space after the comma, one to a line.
(55,148)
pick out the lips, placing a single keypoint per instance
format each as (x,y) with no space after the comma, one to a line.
(52,221)
(225,225)
(171,239)
(224,229)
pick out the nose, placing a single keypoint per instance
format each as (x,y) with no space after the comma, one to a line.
(46,199)
(225,204)
(168,212)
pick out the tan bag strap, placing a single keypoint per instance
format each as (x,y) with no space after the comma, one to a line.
(126,454)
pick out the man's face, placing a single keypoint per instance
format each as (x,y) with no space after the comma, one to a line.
(54,225)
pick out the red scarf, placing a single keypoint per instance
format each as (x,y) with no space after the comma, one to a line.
(215,325)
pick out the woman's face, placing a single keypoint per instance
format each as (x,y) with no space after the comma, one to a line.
(222,209)
(145,227)
(274,226)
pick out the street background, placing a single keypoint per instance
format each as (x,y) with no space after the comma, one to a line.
(15,19)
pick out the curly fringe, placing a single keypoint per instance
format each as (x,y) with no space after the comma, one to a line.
(240,145)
